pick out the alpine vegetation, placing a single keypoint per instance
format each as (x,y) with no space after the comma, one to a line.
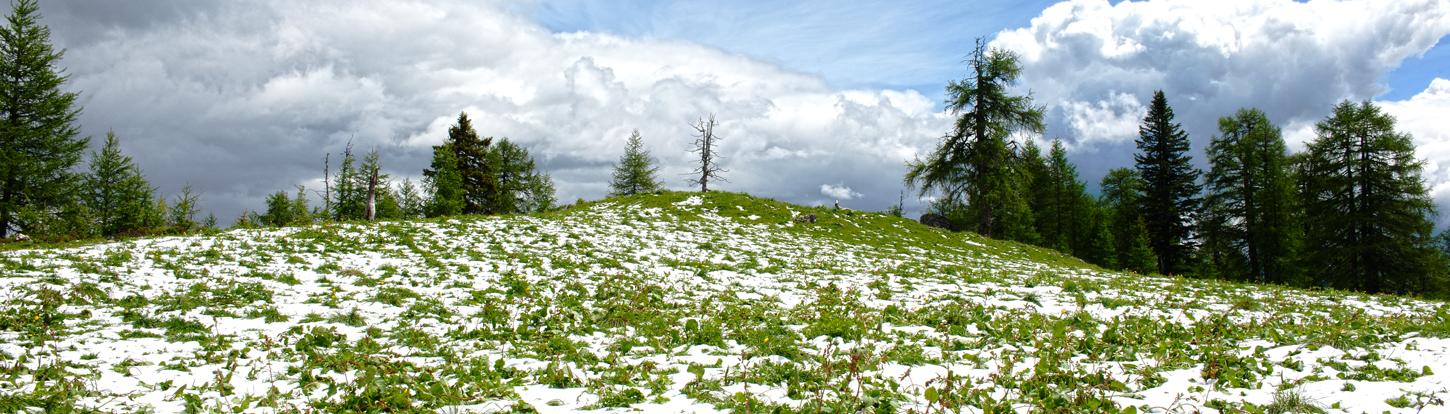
(679,302)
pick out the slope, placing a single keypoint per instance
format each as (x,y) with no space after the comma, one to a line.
(679,302)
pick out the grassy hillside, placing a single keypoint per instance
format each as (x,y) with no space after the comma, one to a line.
(679,302)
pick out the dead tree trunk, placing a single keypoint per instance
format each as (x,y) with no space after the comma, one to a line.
(372,195)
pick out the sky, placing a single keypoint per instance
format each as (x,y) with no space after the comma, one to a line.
(818,101)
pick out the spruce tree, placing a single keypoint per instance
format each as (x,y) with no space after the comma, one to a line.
(1368,214)
(1063,216)
(634,174)
(476,176)
(116,194)
(973,164)
(38,143)
(1170,192)
(1248,212)
(1122,190)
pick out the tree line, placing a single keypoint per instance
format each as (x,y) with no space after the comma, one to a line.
(1351,212)
(468,174)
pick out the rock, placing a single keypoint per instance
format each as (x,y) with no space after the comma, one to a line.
(21,237)
(935,220)
(806,218)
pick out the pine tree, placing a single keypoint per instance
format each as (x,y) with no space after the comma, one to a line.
(1170,192)
(116,194)
(634,174)
(1249,210)
(1367,210)
(38,144)
(973,164)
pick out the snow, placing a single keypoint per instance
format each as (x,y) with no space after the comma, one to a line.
(527,267)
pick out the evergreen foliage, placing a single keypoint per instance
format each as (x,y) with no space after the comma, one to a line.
(284,211)
(1367,210)
(973,164)
(443,183)
(1248,227)
(476,176)
(411,200)
(522,189)
(118,197)
(634,173)
(1122,193)
(181,214)
(1170,192)
(38,144)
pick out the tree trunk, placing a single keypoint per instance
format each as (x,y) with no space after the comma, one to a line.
(372,196)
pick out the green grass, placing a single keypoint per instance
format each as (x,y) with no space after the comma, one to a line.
(651,298)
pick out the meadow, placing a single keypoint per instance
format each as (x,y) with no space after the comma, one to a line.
(679,302)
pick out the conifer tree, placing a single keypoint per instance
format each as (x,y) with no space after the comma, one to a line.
(1249,210)
(1170,192)
(476,176)
(1122,193)
(38,144)
(634,174)
(118,197)
(514,172)
(1368,213)
(443,184)
(973,164)
(1063,211)
(385,203)
(349,189)
(411,200)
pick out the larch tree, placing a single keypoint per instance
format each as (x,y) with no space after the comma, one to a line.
(1248,214)
(38,136)
(705,145)
(117,195)
(443,184)
(1369,217)
(973,164)
(635,172)
(1170,186)
(522,189)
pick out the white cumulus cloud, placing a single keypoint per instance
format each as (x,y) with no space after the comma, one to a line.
(1096,64)
(839,192)
(1425,116)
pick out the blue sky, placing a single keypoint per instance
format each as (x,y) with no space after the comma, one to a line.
(861,44)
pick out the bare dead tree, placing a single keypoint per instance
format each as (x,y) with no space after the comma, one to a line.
(705,144)
(371,210)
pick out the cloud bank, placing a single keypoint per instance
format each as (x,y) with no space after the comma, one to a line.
(1096,65)
(244,99)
